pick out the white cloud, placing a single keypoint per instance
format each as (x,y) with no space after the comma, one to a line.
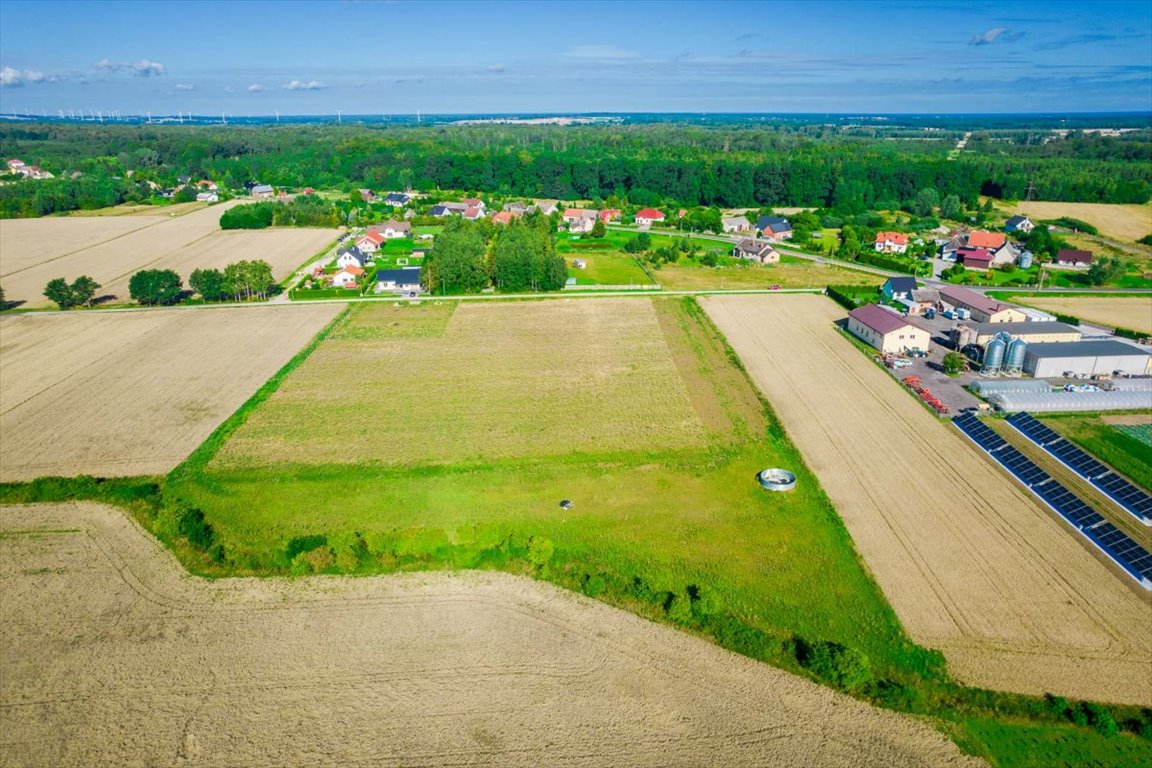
(17,78)
(607,52)
(185,87)
(311,85)
(141,68)
(146,68)
(255,88)
(496,68)
(996,33)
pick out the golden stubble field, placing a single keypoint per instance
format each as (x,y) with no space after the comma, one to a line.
(1123,222)
(971,565)
(440,383)
(112,248)
(133,393)
(1132,312)
(112,655)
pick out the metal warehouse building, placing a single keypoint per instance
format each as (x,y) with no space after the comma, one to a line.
(1033,333)
(1086,357)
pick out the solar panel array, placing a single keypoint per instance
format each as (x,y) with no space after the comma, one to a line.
(1125,552)
(1134,500)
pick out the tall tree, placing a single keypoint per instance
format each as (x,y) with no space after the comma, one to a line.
(155,286)
(209,283)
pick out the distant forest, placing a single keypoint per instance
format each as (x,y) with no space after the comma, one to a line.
(850,169)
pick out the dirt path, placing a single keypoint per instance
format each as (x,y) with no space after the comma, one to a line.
(970,564)
(113,655)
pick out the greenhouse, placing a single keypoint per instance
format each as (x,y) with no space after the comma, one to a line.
(1132,385)
(1036,402)
(988,387)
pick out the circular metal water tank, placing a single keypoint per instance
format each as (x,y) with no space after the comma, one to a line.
(1025,260)
(777,479)
(1014,358)
(994,355)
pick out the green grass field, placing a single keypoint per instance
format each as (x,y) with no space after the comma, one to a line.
(442,434)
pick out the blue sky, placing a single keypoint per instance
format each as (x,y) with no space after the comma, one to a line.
(396,57)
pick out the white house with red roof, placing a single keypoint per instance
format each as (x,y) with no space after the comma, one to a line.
(648,216)
(891,242)
(610,214)
(887,330)
(370,241)
(347,277)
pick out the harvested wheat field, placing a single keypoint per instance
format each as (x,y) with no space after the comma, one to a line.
(133,393)
(112,249)
(1132,312)
(477,382)
(115,656)
(971,565)
(1123,222)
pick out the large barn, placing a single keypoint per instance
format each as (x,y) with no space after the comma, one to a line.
(887,331)
(1086,358)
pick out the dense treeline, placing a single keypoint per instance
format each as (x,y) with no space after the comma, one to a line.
(514,258)
(304,211)
(40,197)
(645,164)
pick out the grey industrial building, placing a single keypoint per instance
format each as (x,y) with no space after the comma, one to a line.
(1086,358)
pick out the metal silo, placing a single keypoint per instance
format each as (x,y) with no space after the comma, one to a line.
(1014,357)
(964,336)
(1025,260)
(993,356)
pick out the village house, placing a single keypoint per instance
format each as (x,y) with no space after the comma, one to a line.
(367,195)
(262,191)
(610,214)
(983,309)
(886,330)
(392,229)
(516,208)
(28,171)
(207,185)
(350,257)
(547,207)
(1070,257)
(898,287)
(1019,224)
(474,212)
(735,224)
(370,242)
(504,217)
(397,199)
(579,220)
(760,251)
(891,242)
(774,227)
(405,281)
(974,258)
(439,211)
(207,197)
(347,277)
(646,217)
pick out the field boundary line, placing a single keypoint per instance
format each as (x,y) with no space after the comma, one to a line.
(208,449)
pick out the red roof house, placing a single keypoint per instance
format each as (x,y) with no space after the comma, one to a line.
(990,240)
(648,216)
(974,258)
(1074,257)
(610,214)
